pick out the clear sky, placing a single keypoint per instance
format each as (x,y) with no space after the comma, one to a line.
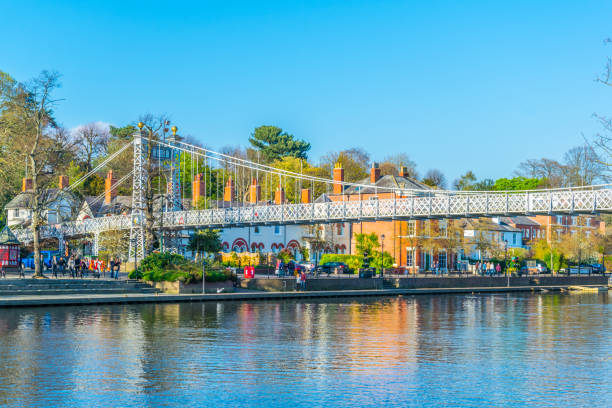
(457,85)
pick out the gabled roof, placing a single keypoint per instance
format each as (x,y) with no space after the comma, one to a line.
(386,182)
(520,220)
(7,237)
(487,225)
(24,199)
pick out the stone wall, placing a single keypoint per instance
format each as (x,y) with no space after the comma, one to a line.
(288,284)
(481,281)
(178,287)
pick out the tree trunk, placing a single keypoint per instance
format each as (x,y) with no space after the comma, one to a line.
(36,243)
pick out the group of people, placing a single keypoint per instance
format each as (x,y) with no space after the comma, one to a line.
(300,280)
(81,268)
(488,268)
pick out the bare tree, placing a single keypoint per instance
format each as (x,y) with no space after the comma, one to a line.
(93,142)
(394,162)
(434,178)
(43,143)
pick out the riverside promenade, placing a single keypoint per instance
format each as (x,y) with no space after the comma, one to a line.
(91,292)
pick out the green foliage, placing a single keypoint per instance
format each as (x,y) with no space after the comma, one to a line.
(208,240)
(275,144)
(285,255)
(387,260)
(122,133)
(305,253)
(517,183)
(366,243)
(167,267)
(354,262)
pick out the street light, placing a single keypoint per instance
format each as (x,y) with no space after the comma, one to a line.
(382,253)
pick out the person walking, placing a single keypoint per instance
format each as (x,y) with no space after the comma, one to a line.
(303,279)
(498,268)
(54,266)
(117,267)
(298,282)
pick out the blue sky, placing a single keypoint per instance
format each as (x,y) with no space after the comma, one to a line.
(458,86)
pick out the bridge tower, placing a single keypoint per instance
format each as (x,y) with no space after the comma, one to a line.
(137,233)
(170,239)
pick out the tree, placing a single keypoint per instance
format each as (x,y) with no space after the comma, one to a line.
(92,139)
(354,161)
(274,144)
(366,243)
(603,245)
(207,241)
(393,163)
(465,182)
(434,178)
(577,246)
(42,142)
(115,243)
(583,166)
(517,183)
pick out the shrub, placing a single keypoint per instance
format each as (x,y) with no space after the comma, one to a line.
(354,262)
(167,267)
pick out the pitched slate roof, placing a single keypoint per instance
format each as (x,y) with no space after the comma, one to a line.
(7,237)
(487,225)
(386,182)
(520,220)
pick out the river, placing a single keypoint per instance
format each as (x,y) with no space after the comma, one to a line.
(450,350)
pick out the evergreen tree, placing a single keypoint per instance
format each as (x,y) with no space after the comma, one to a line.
(275,144)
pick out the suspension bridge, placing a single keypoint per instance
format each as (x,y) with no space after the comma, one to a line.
(243,205)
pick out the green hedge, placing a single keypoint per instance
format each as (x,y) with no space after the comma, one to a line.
(166,267)
(353,261)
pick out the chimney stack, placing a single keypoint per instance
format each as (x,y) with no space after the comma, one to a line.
(307,196)
(230,190)
(279,195)
(197,190)
(338,179)
(63,182)
(26,185)
(374,173)
(254,192)
(109,192)
(403,171)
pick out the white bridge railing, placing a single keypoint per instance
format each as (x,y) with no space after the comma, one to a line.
(438,204)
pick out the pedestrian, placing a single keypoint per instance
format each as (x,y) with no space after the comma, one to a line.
(498,268)
(298,282)
(54,266)
(117,267)
(112,268)
(303,279)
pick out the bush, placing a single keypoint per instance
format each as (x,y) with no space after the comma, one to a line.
(167,267)
(354,262)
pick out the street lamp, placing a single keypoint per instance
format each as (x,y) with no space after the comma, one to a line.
(382,253)
(505,256)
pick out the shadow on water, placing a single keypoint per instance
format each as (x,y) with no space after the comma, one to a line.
(496,349)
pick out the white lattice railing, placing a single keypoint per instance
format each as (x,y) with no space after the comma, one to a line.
(423,205)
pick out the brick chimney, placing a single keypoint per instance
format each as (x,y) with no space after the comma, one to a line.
(403,171)
(197,190)
(64,182)
(374,173)
(307,196)
(279,195)
(26,184)
(254,192)
(230,190)
(338,179)
(109,192)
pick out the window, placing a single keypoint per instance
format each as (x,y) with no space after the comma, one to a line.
(409,257)
(16,212)
(277,230)
(559,219)
(340,229)
(527,233)
(411,228)
(442,260)
(443,226)
(373,198)
(256,230)
(514,239)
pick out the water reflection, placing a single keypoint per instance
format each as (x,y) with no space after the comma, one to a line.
(499,350)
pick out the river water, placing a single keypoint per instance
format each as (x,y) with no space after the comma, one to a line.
(452,350)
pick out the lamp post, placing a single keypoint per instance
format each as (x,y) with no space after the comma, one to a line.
(382,253)
(506,263)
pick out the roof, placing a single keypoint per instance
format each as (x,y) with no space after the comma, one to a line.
(519,220)
(389,182)
(7,237)
(24,199)
(487,225)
